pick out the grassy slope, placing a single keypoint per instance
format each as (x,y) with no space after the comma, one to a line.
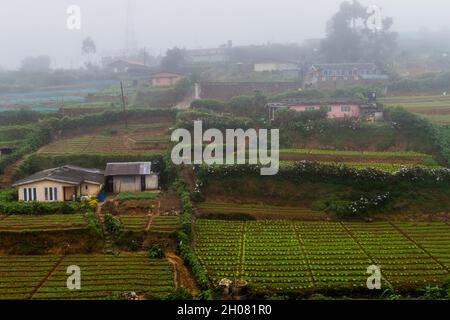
(275,191)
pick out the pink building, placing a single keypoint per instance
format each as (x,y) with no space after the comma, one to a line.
(165,79)
(334,110)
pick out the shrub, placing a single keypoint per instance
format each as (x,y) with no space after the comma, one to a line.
(209,104)
(41,208)
(179,294)
(8,195)
(112,224)
(155,252)
(124,196)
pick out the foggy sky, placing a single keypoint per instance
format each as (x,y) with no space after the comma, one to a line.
(30,27)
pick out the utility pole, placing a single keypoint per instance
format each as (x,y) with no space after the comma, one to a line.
(124,106)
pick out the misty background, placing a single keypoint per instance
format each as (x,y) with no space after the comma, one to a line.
(31,28)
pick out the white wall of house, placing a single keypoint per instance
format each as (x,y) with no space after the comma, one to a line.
(52,196)
(133,183)
(151,182)
(127,184)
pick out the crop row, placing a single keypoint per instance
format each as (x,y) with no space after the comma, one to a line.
(101,276)
(284,255)
(44,223)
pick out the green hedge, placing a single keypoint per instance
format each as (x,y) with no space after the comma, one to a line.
(40,208)
(184,240)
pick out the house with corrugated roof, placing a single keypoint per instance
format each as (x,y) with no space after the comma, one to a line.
(130,177)
(320,75)
(60,184)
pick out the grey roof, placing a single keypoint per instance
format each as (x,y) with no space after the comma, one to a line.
(345,66)
(128,168)
(66,174)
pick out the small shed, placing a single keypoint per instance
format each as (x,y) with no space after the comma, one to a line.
(165,79)
(130,177)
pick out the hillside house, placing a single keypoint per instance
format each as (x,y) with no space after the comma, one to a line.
(130,177)
(333,74)
(269,66)
(60,184)
(208,56)
(165,79)
(122,66)
(336,108)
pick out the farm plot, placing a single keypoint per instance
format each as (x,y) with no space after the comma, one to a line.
(20,276)
(273,257)
(384,161)
(134,222)
(165,224)
(254,209)
(138,139)
(433,237)
(402,261)
(219,246)
(335,260)
(106,276)
(436,108)
(22,223)
(285,255)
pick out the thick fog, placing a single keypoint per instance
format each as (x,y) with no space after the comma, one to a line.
(30,27)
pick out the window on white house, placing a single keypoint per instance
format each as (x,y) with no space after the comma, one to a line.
(29,194)
(310,108)
(346,109)
(51,194)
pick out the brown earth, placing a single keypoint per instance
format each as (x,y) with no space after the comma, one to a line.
(183,278)
(51,242)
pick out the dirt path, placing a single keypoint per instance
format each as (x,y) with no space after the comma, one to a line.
(182,276)
(156,214)
(49,274)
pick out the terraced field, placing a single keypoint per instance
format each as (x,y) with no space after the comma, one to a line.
(20,276)
(134,222)
(436,108)
(384,161)
(165,224)
(22,223)
(159,224)
(285,255)
(253,209)
(138,139)
(102,276)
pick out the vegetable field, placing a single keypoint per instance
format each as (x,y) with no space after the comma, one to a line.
(229,208)
(102,276)
(138,139)
(158,224)
(21,223)
(134,222)
(384,161)
(290,256)
(165,224)
(436,108)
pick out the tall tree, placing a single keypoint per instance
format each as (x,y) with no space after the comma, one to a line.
(88,47)
(174,59)
(354,34)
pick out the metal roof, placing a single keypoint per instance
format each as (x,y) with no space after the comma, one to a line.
(66,174)
(128,168)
